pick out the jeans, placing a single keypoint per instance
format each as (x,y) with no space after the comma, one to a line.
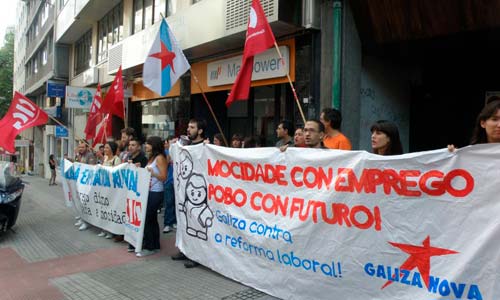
(151,239)
(169,204)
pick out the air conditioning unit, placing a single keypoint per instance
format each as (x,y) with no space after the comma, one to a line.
(115,58)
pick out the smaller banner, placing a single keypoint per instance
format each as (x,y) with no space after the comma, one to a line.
(111,198)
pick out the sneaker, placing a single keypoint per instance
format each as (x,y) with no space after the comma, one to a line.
(101,234)
(78,223)
(190,264)
(179,256)
(108,236)
(174,226)
(167,229)
(130,248)
(146,252)
(83,227)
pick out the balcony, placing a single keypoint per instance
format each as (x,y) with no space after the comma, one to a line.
(45,72)
(42,34)
(78,16)
(35,5)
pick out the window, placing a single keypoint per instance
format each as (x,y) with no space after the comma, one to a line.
(44,55)
(195,1)
(49,44)
(35,64)
(147,12)
(45,13)
(110,31)
(83,52)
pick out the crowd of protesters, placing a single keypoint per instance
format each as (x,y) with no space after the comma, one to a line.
(322,133)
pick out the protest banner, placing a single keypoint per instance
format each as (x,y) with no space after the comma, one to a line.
(111,198)
(330,224)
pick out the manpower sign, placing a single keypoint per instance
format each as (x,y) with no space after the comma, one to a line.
(266,65)
(329,224)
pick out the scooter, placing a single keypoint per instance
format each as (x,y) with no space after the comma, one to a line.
(11,190)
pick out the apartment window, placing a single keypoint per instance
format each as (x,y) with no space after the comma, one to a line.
(83,52)
(147,12)
(35,64)
(62,3)
(44,55)
(110,30)
(45,13)
(36,27)
(49,44)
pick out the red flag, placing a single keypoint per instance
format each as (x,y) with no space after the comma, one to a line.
(105,130)
(22,114)
(113,102)
(259,38)
(95,116)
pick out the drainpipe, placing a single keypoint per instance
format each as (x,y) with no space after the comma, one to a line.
(337,53)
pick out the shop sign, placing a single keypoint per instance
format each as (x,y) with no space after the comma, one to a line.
(61,131)
(266,65)
(79,97)
(22,143)
(55,89)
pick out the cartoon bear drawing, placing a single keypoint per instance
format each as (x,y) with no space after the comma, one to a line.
(198,215)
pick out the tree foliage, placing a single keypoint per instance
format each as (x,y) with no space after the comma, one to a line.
(6,71)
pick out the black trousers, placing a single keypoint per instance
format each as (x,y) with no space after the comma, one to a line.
(151,239)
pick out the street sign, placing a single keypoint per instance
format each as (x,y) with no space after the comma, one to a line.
(55,89)
(61,131)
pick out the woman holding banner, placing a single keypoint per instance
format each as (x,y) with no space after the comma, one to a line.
(110,159)
(487,129)
(157,166)
(385,138)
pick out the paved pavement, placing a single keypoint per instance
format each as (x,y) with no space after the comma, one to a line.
(48,258)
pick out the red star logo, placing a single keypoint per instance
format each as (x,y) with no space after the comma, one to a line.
(420,258)
(165,56)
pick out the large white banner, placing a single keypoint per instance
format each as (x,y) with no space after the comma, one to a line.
(329,224)
(111,198)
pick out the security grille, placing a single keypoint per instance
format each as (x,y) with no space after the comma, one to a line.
(115,58)
(237,12)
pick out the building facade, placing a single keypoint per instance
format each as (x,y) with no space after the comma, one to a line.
(372,61)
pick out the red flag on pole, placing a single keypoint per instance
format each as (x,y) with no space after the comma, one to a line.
(95,116)
(22,114)
(259,38)
(105,130)
(113,102)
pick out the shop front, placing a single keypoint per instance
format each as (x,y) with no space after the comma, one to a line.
(270,99)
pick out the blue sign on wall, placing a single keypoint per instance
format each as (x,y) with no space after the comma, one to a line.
(61,131)
(56,89)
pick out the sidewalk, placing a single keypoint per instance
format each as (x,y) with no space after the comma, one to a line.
(48,258)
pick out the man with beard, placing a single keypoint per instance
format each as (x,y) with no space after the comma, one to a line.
(196,134)
(84,155)
(126,135)
(196,131)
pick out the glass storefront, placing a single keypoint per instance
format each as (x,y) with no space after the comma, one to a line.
(165,117)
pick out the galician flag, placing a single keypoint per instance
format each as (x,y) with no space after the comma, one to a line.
(165,62)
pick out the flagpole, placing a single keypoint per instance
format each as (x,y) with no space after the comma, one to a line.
(209,107)
(291,84)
